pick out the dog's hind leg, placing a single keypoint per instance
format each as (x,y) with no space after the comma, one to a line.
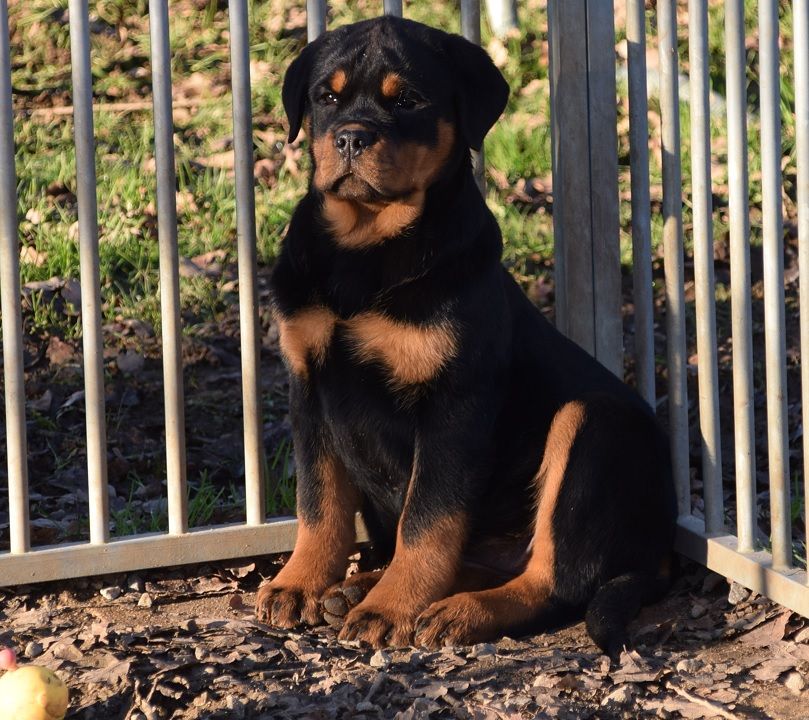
(603,530)
(514,606)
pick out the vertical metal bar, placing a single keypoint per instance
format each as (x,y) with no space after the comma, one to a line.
(560,273)
(708,372)
(503,16)
(248,273)
(774,327)
(92,337)
(560,270)
(16,445)
(315,18)
(393,7)
(470,29)
(169,268)
(673,250)
(741,305)
(800,29)
(641,204)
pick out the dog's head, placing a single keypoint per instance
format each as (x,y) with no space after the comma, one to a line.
(388,104)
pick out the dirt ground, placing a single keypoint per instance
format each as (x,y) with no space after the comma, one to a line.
(184,643)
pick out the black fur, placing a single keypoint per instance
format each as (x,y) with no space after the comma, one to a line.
(479,426)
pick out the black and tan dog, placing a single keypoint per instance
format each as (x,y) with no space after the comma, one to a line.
(511,480)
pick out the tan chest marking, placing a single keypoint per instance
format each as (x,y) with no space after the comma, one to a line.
(304,335)
(412,354)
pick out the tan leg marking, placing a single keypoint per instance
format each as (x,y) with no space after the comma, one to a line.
(412,354)
(305,335)
(420,573)
(320,556)
(477,616)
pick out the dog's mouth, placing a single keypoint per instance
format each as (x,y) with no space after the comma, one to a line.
(351,186)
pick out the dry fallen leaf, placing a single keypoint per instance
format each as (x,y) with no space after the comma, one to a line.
(770,632)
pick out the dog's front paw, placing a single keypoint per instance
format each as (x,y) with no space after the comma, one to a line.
(379,625)
(457,620)
(287,607)
(341,598)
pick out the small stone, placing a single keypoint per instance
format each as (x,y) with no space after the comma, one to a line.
(482,650)
(738,593)
(365,706)
(33,216)
(620,696)
(145,601)
(33,649)
(795,682)
(110,593)
(689,666)
(697,610)
(711,582)
(135,583)
(379,659)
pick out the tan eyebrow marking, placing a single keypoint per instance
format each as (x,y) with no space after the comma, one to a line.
(338,80)
(392,85)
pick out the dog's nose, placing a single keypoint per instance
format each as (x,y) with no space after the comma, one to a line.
(351,143)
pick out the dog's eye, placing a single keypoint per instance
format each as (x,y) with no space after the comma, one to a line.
(328,98)
(408,99)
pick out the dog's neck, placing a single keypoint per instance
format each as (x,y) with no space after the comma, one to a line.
(358,225)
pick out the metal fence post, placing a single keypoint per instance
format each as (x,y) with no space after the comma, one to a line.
(16,445)
(92,336)
(585,171)
(315,18)
(250,328)
(169,268)
(470,29)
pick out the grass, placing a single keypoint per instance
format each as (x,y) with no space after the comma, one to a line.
(279,473)
(207,502)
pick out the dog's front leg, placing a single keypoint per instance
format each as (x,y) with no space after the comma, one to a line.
(327,503)
(448,467)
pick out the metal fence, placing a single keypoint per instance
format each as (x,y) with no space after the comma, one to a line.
(587,270)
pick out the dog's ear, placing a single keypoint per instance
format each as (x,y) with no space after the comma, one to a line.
(481,91)
(296,86)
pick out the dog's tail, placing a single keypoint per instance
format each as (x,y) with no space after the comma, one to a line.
(616,603)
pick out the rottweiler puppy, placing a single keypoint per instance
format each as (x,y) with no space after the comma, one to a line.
(509,478)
